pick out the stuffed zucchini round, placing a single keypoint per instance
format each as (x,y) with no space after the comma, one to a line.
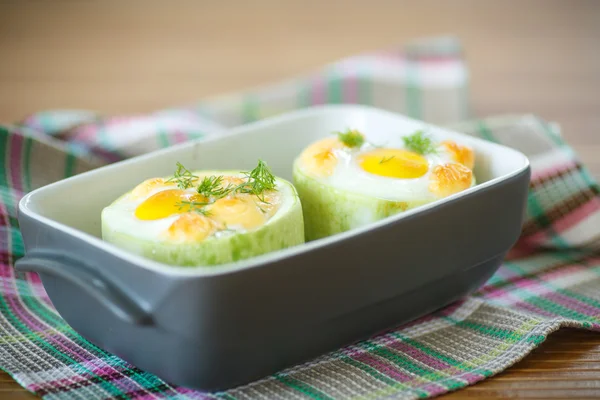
(345,182)
(206,217)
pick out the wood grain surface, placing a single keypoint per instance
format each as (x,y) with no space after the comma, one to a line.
(534,56)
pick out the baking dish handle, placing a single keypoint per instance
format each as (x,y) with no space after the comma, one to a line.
(107,293)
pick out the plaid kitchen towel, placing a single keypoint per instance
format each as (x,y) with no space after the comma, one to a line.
(551,278)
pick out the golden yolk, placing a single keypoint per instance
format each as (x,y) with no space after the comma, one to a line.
(144,188)
(271,203)
(237,211)
(165,203)
(191,227)
(394,163)
(319,158)
(461,154)
(449,179)
(231,181)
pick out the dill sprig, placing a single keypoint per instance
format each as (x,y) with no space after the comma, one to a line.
(211,186)
(260,180)
(194,206)
(351,138)
(419,143)
(183,177)
(386,159)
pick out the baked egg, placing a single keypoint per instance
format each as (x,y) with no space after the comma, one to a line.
(206,217)
(344,181)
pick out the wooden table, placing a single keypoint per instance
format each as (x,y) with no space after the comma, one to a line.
(538,56)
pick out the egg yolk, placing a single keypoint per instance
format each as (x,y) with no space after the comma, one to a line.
(240,211)
(270,205)
(319,157)
(231,181)
(190,227)
(165,203)
(394,163)
(450,178)
(144,188)
(461,154)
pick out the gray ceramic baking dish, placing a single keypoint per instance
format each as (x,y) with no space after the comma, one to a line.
(214,328)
